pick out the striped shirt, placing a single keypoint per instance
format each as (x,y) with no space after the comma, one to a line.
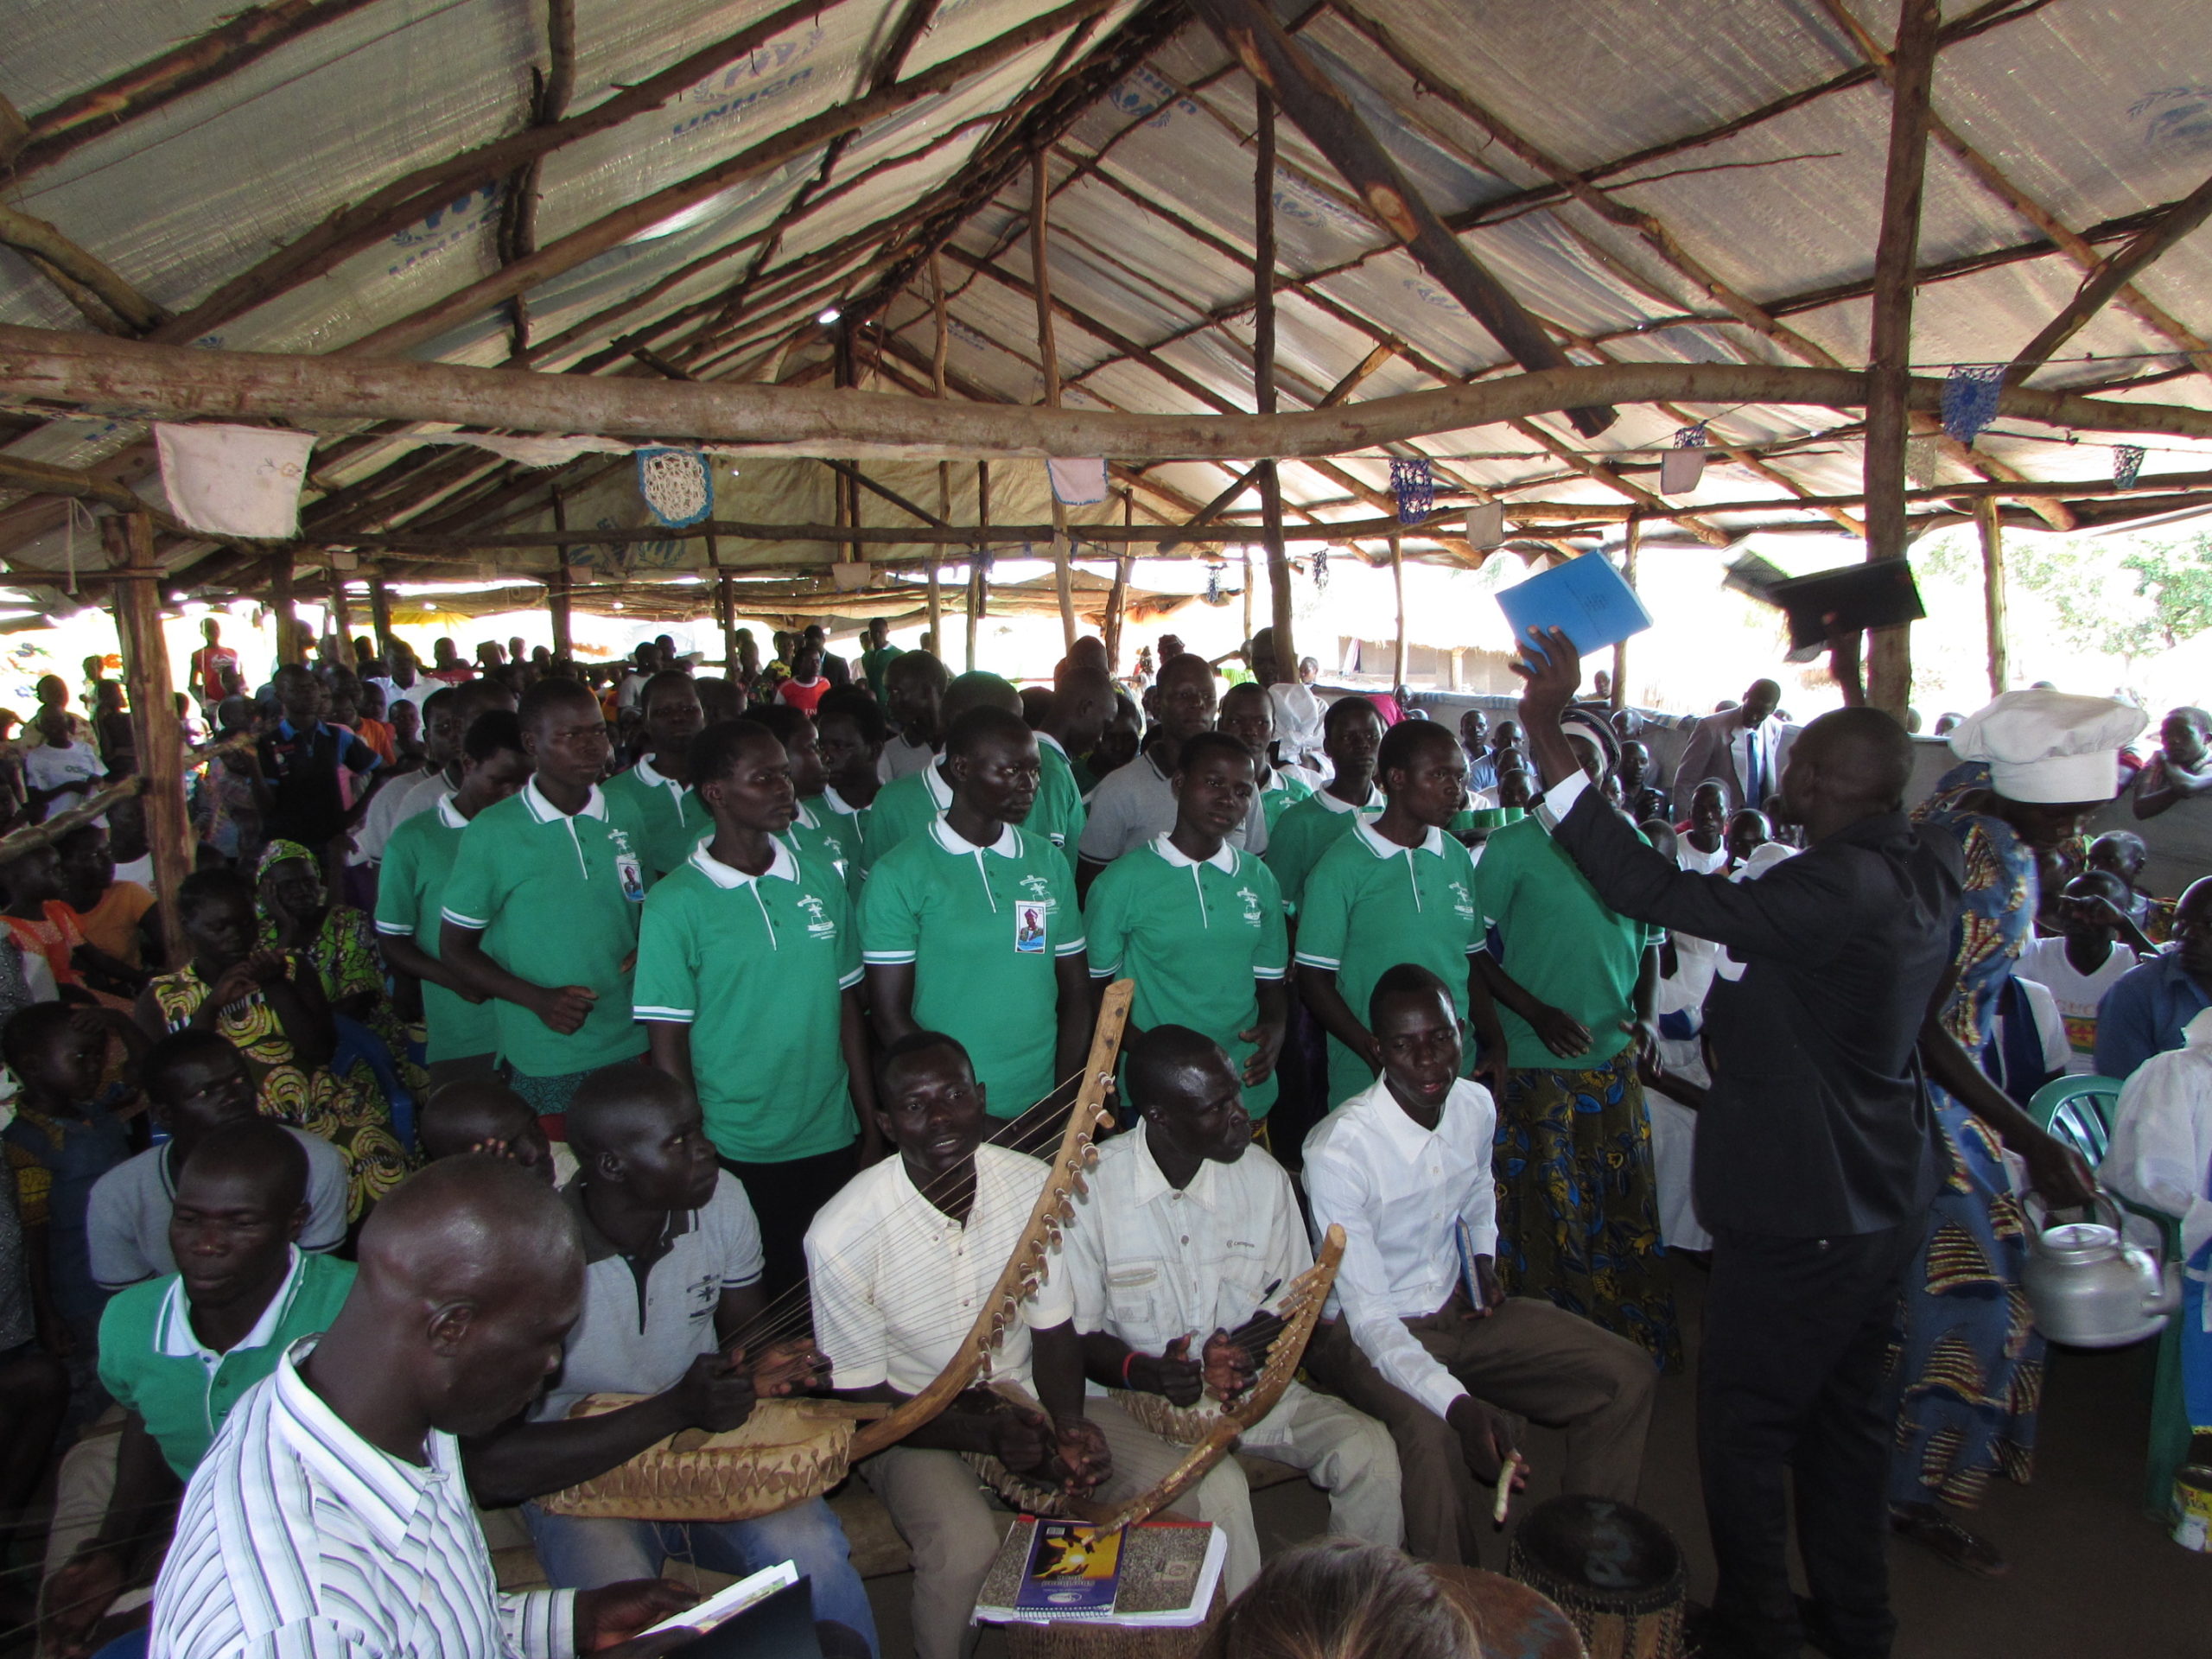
(299,1540)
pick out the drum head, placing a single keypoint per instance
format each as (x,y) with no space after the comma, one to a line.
(1609,1547)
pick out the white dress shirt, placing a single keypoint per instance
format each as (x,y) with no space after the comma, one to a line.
(1398,1191)
(299,1540)
(2161,1151)
(1149,1263)
(897,1282)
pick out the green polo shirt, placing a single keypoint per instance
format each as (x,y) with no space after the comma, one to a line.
(410,893)
(757,967)
(1562,945)
(1086,780)
(1284,791)
(548,890)
(1371,905)
(983,928)
(674,817)
(154,1365)
(1196,938)
(903,809)
(1308,828)
(1058,813)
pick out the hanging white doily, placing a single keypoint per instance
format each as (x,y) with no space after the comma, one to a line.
(677,487)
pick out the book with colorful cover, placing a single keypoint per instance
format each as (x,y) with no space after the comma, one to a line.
(1073,1568)
(1161,1573)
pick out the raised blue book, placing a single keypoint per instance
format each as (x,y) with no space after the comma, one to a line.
(1586,598)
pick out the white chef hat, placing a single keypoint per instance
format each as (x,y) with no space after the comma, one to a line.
(2046,746)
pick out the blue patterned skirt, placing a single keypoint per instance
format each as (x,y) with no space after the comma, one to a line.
(1577,1204)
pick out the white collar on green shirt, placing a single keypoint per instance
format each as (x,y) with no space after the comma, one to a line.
(933,780)
(175,1339)
(1383,847)
(838,803)
(1009,845)
(783,866)
(1332,803)
(1224,858)
(448,816)
(545,812)
(652,778)
(1044,738)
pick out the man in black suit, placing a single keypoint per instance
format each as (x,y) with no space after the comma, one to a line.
(1815,1156)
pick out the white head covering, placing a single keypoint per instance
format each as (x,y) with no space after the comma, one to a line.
(2049,746)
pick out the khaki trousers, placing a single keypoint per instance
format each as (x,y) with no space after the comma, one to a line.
(943,1512)
(1527,1358)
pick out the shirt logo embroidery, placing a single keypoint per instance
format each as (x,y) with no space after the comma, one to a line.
(1251,906)
(1038,888)
(818,917)
(1462,901)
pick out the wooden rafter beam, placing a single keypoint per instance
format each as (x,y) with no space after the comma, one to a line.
(610,230)
(44,368)
(1326,115)
(57,131)
(2118,270)
(1993,179)
(80,273)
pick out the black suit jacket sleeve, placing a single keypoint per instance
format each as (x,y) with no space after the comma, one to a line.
(1801,909)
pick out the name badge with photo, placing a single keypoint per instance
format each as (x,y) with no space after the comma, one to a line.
(1029,930)
(632,874)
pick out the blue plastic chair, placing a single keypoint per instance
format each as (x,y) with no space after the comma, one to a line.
(2079,1111)
(357,1043)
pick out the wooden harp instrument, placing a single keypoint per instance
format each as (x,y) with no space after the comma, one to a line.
(795,1448)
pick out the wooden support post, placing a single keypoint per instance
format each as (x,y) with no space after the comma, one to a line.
(979,569)
(938,353)
(725,617)
(341,614)
(155,732)
(1889,365)
(380,616)
(1398,593)
(280,599)
(1117,597)
(1048,353)
(1992,590)
(1248,605)
(558,594)
(1263,380)
(1627,575)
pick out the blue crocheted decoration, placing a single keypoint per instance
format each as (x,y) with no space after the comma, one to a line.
(1970,398)
(2127,462)
(1414,484)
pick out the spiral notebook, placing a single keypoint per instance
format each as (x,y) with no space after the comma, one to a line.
(1153,1574)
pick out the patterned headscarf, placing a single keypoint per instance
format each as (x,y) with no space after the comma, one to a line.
(280,852)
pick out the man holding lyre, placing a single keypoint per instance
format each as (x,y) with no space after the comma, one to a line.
(1417,1332)
(902,1261)
(1176,1259)
(672,1310)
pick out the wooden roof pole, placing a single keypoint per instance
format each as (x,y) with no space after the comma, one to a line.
(1326,115)
(109,300)
(2113,274)
(1992,590)
(249,35)
(518,237)
(1117,597)
(1993,179)
(1048,353)
(1889,368)
(610,230)
(1269,475)
(939,350)
(81,371)
(135,593)
(979,565)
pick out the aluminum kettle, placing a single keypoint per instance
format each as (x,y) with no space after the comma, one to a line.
(2089,1288)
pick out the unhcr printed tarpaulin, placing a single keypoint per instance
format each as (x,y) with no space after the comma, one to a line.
(1736,149)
